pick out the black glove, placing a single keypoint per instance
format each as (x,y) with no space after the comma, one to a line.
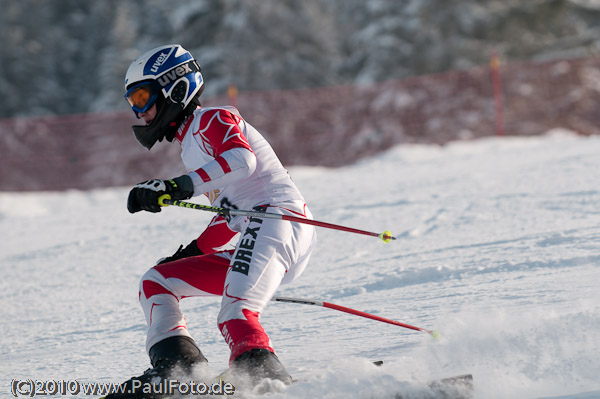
(191,250)
(144,196)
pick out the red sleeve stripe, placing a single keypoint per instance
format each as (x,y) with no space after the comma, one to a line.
(203,175)
(223,163)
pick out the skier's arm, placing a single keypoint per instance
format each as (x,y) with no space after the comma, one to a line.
(234,158)
(216,235)
(228,168)
(233,161)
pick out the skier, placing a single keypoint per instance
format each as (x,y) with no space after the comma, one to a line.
(231,163)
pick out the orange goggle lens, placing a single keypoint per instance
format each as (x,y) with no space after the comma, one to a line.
(139,96)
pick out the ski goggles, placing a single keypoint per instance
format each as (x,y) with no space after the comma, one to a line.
(141,97)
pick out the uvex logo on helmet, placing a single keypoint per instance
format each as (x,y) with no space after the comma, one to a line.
(159,61)
(175,73)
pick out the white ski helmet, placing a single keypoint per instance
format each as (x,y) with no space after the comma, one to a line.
(169,77)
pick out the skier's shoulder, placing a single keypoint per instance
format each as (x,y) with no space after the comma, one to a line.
(219,127)
(205,114)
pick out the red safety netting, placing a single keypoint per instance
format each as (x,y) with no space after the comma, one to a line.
(329,126)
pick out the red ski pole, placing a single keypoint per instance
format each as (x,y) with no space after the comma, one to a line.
(433,333)
(165,200)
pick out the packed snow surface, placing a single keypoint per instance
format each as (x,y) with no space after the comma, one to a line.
(498,248)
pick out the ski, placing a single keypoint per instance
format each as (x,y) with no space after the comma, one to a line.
(456,387)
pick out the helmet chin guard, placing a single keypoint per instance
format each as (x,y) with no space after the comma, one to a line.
(163,126)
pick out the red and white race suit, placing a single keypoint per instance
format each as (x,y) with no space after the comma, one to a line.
(235,167)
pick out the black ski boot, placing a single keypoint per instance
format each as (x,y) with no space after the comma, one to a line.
(170,358)
(258,364)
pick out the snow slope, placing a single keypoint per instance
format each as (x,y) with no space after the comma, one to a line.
(498,247)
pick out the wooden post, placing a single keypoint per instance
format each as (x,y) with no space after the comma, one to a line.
(497,88)
(232,92)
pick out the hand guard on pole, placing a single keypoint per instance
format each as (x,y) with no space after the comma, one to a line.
(144,196)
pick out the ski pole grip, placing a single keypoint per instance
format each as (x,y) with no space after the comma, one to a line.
(164,200)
